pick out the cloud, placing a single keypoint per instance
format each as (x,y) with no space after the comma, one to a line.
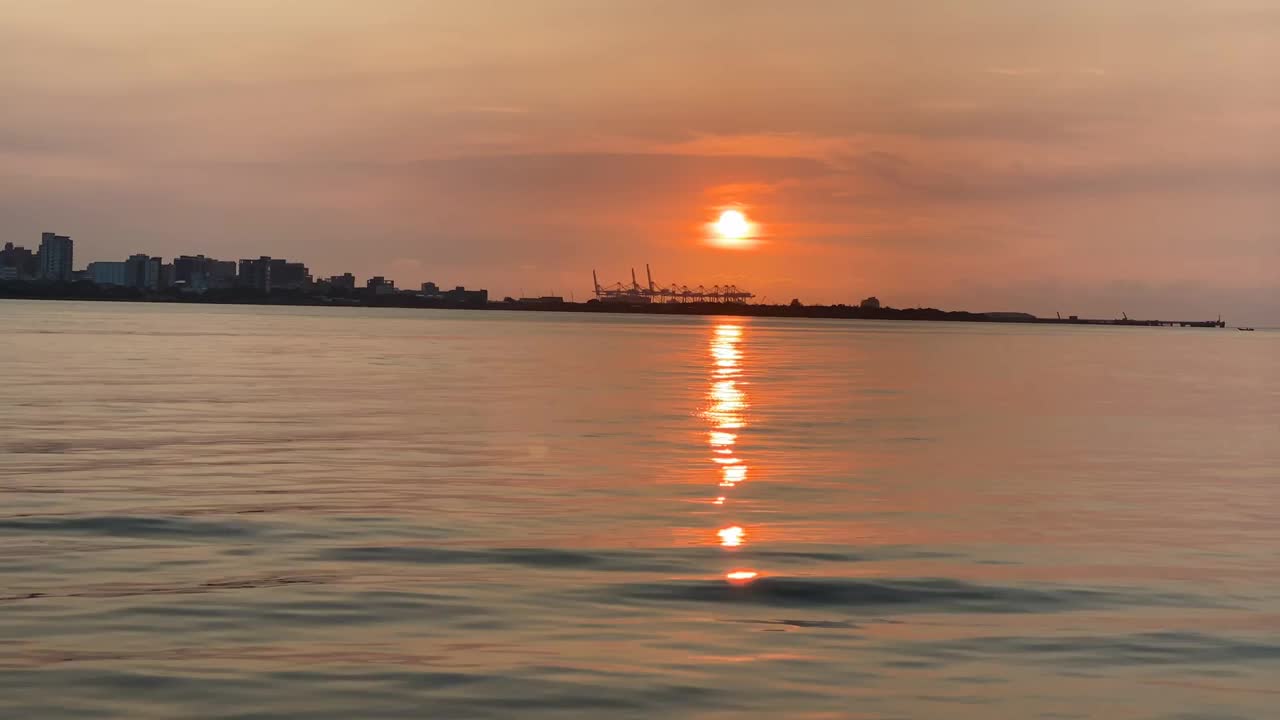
(494,110)
(1015,72)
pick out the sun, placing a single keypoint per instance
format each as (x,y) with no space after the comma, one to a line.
(732,229)
(732,225)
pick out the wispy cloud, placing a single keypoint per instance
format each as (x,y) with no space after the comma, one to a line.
(1015,71)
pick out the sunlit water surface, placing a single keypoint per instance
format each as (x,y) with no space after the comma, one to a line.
(341,513)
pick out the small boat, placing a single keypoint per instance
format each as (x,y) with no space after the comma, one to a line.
(1245,329)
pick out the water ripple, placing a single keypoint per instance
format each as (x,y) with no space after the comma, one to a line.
(127,526)
(939,595)
(132,590)
(1145,649)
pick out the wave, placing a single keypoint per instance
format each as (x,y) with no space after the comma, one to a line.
(817,624)
(925,594)
(330,693)
(622,561)
(134,589)
(126,526)
(685,560)
(1087,651)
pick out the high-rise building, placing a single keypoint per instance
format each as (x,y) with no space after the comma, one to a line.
(345,281)
(187,266)
(142,271)
(266,274)
(107,273)
(430,289)
(220,273)
(255,274)
(289,275)
(17,263)
(464,296)
(380,285)
(201,273)
(55,257)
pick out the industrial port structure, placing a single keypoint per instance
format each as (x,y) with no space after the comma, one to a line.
(637,294)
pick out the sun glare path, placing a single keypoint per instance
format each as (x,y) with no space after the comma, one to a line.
(727,414)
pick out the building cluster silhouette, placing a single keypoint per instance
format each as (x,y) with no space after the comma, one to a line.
(52,264)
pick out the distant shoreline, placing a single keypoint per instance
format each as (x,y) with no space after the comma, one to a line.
(296,298)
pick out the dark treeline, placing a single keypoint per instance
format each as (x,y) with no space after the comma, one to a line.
(230,296)
(361,298)
(851,312)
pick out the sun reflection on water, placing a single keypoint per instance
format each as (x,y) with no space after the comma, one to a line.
(731,536)
(727,414)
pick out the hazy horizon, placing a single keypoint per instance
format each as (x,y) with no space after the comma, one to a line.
(1088,158)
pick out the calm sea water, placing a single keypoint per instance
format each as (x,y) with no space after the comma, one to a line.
(344,513)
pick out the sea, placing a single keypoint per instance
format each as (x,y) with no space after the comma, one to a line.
(216,511)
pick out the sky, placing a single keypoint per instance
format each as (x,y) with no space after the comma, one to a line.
(1085,157)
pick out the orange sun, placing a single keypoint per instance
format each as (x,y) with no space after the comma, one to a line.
(733,226)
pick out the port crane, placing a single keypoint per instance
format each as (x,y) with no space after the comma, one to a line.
(636,294)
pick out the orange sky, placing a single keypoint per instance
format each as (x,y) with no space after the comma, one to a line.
(1088,157)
